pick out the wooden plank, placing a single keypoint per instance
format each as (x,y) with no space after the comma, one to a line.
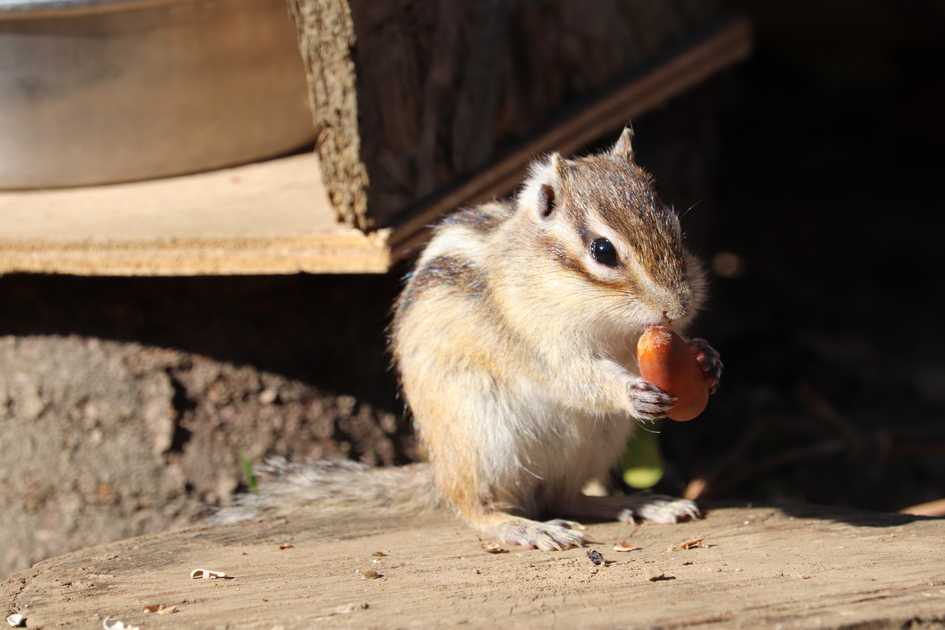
(760,567)
(266,218)
(705,54)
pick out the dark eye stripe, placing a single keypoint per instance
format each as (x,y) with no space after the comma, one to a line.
(604,252)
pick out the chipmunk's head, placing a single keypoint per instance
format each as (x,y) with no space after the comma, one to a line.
(621,249)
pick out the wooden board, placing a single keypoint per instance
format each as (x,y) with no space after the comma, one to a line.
(760,567)
(266,218)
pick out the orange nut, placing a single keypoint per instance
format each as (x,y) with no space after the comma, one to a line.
(666,361)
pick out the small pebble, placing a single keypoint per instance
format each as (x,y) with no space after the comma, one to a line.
(653,575)
(595,556)
(369,575)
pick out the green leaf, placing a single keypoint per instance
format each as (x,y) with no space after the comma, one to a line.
(251,481)
(642,463)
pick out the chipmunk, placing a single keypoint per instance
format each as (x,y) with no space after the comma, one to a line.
(515,339)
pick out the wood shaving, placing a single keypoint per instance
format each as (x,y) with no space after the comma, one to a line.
(626,546)
(286,546)
(207,574)
(694,543)
(161,609)
(350,608)
(493,548)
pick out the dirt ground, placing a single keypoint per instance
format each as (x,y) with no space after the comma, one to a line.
(108,440)
(797,567)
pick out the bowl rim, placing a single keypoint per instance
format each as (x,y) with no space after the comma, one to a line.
(26,9)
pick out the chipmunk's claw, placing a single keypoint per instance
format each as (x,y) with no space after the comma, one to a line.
(649,401)
(710,361)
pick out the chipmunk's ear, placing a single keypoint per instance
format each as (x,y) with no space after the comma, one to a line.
(548,193)
(623,146)
(543,186)
(546,200)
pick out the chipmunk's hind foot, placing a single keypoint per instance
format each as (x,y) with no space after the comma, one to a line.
(658,508)
(554,535)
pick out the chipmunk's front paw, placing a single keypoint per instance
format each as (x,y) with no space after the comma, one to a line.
(710,361)
(549,536)
(649,401)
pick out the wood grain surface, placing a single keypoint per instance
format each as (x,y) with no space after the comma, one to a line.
(791,567)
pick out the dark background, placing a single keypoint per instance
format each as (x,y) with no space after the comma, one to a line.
(829,191)
(824,165)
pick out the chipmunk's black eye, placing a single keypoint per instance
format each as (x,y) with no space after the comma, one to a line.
(604,252)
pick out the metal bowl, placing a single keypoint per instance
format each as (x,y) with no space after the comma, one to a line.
(101,91)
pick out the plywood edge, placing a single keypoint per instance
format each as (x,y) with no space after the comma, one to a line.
(270,217)
(347,251)
(719,45)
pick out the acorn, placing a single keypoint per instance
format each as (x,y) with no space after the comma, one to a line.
(666,361)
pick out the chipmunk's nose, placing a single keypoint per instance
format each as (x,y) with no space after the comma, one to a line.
(677,311)
(671,306)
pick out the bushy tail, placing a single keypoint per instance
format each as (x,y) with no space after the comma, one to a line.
(332,486)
